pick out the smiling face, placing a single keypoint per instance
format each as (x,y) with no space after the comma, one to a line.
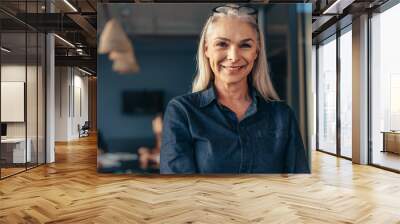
(231,48)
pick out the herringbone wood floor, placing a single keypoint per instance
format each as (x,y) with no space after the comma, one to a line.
(70,191)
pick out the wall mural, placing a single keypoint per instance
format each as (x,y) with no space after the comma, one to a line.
(203,88)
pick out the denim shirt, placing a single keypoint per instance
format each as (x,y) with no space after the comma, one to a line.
(202,136)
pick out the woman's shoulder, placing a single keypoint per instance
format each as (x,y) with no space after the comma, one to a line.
(184,105)
(279,111)
(186,100)
(279,106)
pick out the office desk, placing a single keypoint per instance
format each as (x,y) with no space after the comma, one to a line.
(391,141)
(15,148)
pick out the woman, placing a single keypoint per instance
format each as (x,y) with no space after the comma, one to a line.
(233,122)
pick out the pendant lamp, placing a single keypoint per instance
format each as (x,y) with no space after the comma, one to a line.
(114,41)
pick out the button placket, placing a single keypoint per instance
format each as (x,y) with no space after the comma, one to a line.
(245,149)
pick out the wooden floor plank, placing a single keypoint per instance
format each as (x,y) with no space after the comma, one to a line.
(71,191)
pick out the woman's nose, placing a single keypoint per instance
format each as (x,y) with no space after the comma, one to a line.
(233,54)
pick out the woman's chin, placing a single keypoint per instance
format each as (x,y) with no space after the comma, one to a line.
(233,78)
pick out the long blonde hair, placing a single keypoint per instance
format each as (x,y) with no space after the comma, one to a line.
(260,77)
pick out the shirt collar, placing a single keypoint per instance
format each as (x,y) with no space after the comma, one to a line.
(207,96)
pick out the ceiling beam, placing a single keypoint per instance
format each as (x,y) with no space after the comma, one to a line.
(82,61)
(83,23)
(337,7)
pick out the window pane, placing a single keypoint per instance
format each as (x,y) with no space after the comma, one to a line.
(385,86)
(327,97)
(314,97)
(345,94)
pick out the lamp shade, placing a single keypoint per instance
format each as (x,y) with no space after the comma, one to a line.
(124,62)
(113,38)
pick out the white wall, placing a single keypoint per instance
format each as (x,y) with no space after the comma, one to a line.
(61,103)
(71,102)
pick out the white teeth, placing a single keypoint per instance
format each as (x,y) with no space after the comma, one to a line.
(232,68)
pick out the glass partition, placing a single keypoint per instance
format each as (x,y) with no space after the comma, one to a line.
(14,153)
(22,88)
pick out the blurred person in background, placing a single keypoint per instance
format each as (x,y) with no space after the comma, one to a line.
(150,157)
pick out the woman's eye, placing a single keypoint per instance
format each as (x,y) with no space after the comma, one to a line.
(245,46)
(222,44)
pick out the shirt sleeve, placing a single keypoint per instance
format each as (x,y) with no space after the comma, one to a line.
(296,154)
(177,150)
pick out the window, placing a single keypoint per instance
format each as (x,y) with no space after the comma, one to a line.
(327,96)
(385,88)
(346,93)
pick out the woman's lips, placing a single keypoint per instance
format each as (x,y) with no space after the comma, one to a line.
(233,67)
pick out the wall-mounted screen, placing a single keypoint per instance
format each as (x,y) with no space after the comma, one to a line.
(142,102)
